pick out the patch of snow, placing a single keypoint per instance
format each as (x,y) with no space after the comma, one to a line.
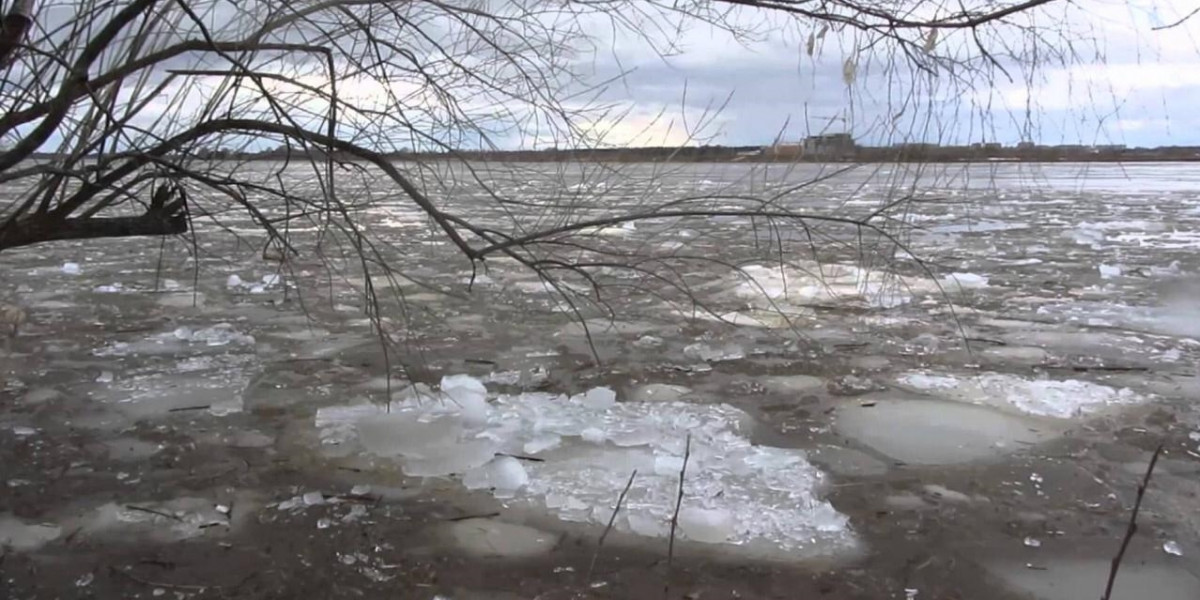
(1044,397)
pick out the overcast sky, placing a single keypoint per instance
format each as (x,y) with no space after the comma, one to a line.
(1125,84)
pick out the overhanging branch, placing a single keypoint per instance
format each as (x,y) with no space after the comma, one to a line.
(165,216)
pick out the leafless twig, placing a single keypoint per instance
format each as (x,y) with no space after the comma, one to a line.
(1132,528)
(611,519)
(687,453)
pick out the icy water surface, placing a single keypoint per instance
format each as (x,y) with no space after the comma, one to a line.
(896,408)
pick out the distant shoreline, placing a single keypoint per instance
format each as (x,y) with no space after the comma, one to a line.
(867,156)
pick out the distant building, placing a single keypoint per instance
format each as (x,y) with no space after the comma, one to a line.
(832,145)
(1026,146)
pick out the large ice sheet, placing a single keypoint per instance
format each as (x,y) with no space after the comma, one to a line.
(589,444)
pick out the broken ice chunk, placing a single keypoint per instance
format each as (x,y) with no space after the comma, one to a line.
(469,396)
(542,442)
(405,434)
(593,435)
(1172,548)
(1110,271)
(599,398)
(233,281)
(637,436)
(504,474)
(711,526)
(70,268)
(454,458)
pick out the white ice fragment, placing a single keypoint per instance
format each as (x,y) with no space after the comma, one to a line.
(1194,436)
(711,526)
(965,280)
(70,268)
(1033,542)
(911,593)
(270,280)
(324,523)
(313,498)
(290,503)
(357,512)
(704,352)
(648,341)
(503,474)
(21,430)
(85,579)
(542,442)
(223,509)
(361,489)
(504,377)
(1172,547)
(925,381)
(1036,478)
(1110,271)
(594,435)
(233,281)
(114,288)
(599,398)
(105,377)
(469,396)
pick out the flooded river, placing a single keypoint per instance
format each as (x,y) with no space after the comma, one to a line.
(889,381)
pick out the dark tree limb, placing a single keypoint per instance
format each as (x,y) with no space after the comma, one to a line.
(165,216)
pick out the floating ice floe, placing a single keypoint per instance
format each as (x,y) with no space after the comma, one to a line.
(818,283)
(70,268)
(235,282)
(1044,397)
(588,445)
(965,281)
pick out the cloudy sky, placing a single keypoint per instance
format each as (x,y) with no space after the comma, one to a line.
(1090,72)
(1101,75)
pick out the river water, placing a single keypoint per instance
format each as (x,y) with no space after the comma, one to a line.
(997,343)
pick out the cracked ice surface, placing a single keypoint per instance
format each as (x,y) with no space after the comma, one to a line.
(734,492)
(1044,397)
